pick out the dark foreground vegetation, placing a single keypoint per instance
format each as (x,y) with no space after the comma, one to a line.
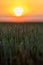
(21,44)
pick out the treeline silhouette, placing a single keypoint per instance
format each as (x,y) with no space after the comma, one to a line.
(21,44)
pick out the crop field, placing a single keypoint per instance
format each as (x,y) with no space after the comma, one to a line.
(21,41)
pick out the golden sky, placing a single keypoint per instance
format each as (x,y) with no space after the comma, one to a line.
(31,8)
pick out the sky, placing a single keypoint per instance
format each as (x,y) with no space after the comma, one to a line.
(33,10)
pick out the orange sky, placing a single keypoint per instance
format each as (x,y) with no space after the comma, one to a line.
(31,8)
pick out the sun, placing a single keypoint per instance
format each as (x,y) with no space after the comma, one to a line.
(18,11)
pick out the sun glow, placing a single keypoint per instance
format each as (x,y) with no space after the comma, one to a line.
(18,11)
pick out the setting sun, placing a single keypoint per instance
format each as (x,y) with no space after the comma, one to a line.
(21,10)
(18,11)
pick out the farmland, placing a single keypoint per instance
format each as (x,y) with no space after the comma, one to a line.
(19,38)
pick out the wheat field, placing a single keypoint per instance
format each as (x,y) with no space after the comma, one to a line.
(16,38)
